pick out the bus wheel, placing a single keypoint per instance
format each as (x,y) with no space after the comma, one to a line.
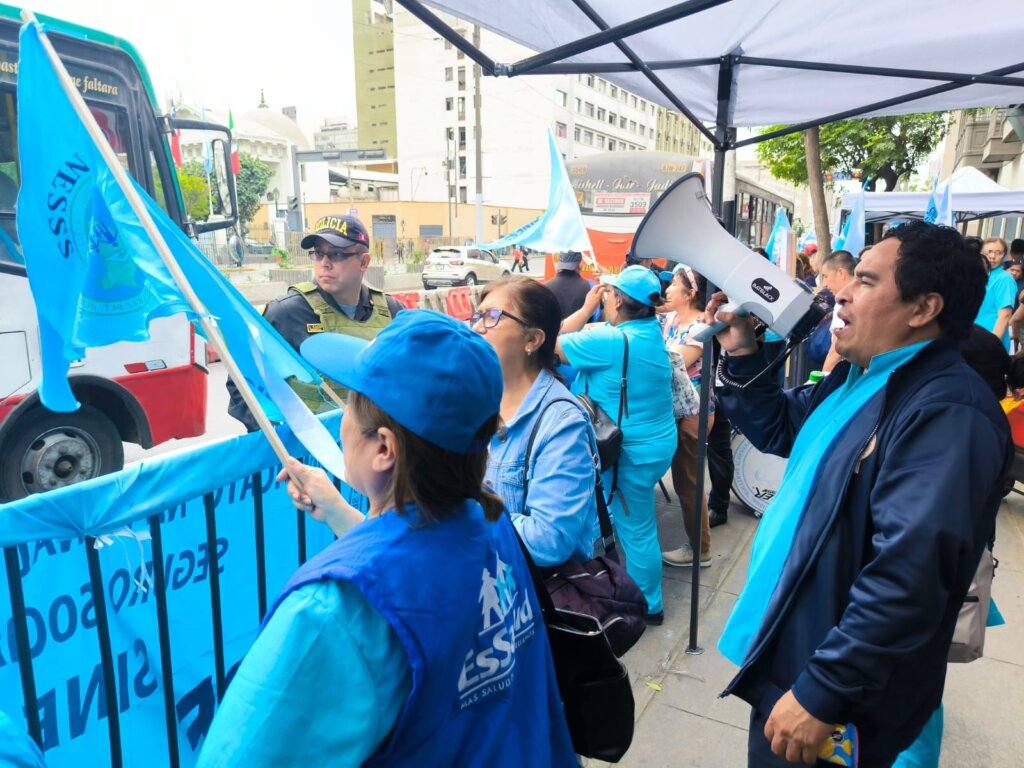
(48,450)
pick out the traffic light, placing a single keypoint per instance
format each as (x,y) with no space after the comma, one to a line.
(293,203)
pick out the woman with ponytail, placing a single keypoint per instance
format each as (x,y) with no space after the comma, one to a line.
(557,520)
(415,638)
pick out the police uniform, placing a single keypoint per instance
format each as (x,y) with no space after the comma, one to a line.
(307,310)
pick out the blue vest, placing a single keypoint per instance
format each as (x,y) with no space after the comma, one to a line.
(458,595)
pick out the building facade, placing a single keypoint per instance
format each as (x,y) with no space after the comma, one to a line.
(373,49)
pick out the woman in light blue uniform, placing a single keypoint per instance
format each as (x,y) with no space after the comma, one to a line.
(648,424)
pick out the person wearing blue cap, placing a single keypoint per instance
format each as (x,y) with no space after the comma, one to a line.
(648,425)
(416,638)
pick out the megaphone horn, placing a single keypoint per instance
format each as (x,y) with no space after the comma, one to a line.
(681,227)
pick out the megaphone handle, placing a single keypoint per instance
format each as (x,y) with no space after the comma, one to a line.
(709,331)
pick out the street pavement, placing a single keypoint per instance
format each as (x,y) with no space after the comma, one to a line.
(680,721)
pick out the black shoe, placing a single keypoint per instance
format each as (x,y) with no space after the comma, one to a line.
(655,619)
(716,519)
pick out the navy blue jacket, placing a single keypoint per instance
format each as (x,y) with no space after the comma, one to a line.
(860,624)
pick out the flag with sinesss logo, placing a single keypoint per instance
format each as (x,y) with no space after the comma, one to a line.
(96,276)
(940,205)
(852,237)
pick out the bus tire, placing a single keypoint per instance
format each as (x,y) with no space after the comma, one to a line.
(48,450)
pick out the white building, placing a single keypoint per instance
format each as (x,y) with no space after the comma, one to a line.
(336,133)
(434,89)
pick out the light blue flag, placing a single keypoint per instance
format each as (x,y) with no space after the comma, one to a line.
(778,241)
(852,237)
(560,227)
(96,276)
(940,205)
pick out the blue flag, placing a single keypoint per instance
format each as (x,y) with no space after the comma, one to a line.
(940,206)
(852,237)
(96,276)
(778,241)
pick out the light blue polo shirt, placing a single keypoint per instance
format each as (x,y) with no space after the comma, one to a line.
(1000,293)
(649,429)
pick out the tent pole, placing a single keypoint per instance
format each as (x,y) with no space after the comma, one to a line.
(722,146)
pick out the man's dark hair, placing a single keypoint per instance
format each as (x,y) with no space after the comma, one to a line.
(841,260)
(935,259)
(1017,249)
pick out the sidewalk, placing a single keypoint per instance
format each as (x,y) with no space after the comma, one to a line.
(686,724)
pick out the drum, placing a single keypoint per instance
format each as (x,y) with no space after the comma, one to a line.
(757,476)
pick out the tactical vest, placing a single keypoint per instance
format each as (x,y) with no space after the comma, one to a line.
(484,693)
(335,321)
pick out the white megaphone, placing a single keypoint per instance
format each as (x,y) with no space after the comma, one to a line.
(681,227)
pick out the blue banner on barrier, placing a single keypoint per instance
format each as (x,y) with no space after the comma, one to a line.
(48,532)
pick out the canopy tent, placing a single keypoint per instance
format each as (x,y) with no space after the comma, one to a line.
(974,195)
(746,63)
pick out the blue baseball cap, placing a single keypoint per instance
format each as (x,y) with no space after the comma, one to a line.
(637,282)
(456,386)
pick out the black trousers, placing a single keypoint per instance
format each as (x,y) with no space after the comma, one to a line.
(720,464)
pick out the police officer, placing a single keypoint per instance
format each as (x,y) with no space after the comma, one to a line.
(337,301)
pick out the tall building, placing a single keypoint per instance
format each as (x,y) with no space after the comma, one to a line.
(675,133)
(373,48)
(336,133)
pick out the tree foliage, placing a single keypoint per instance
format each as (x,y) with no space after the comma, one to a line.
(195,192)
(251,185)
(887,148)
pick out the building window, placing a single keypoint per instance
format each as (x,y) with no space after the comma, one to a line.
(600,113)
(650,133)
(612,118)
(561,98)
(462,78)
(579,105)
(449,134)
(462,107)
(614,92)
(632,125)
(622,122)
(588,137)
(463,196)
(611,145)
(448,104)
(462,137)
(462,169)
(447,44)
(601,85)
(560,130)
(622,146)
(588,80)
(576,133)
(588,109)
(447,74)
(633,101)
(643,105)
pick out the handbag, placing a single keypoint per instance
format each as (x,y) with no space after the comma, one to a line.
(608,432)
(969,635)
(685,400)
(594,686)
(600,587)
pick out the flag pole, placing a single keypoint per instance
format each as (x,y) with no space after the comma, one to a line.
(139,209)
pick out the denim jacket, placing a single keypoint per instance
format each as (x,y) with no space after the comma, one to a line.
(560,520)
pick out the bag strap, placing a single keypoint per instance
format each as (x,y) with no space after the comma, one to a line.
(603,518)
(622,383)
(547,606)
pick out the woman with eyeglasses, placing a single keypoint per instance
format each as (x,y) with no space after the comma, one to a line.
(1000,292)
(648,425)
(557,520)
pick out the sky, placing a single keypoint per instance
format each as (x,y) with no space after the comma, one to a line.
(219,55)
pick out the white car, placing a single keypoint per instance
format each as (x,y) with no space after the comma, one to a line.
(461,265)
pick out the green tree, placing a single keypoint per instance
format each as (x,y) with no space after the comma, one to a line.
(195,191)
(887,148)
(251,185)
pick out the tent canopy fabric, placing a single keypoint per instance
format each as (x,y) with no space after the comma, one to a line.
(928,43)
(974,195)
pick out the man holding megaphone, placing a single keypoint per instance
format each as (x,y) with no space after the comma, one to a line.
(895,474)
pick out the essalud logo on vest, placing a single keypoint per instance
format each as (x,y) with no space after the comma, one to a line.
(84,229)
(506,624)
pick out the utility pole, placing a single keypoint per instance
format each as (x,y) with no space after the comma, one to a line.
(478,140)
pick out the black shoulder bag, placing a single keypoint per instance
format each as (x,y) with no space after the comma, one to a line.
(600,587)
(608,432)
(594,686)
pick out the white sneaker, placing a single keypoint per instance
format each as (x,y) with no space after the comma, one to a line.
(684,556)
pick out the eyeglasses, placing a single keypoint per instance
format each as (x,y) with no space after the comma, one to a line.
(334,256)
(992,252)
(491,318)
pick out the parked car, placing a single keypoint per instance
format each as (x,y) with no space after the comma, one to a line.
(461,265)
